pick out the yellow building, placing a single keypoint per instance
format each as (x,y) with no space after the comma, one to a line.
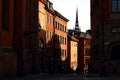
(42,14)
(73,60)
(73,52)
(42,33)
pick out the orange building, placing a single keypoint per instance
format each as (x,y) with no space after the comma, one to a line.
(26,29)
(49,36)
(53,37)
(60,40)
(18,36)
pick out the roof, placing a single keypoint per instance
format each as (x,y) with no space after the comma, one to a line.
(60,15)
(72,38)
(79,34)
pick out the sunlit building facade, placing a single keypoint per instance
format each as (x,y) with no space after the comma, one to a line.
(72,52)
(53,37)
(60,40)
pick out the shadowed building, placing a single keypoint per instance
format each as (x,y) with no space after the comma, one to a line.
(18,36)
(105,30)
(49,35)
(42,34)
(27,33)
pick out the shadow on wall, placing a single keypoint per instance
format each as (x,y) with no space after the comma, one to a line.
(53,55)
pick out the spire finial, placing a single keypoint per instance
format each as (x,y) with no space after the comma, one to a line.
(77,22)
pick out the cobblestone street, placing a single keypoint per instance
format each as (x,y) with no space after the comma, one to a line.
(46,76)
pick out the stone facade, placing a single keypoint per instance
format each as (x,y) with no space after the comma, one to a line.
(105,29)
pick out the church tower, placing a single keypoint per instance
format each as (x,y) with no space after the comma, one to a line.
(77,22)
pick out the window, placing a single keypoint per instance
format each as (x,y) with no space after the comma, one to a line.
(65,53)
(56,24)
(116,28)
(65,41)
(51,20)
(5,14)
(87,61)
(65,29)
(47,18)
(87,52)
(47,35)
(39,26)
(39,6)
(43,9)
(42,24)
(62,53)
(115,5)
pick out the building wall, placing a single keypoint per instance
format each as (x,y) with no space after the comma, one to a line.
(5,34)
(15,40)
(22,43)
(103,31)
(8,56)
(73,55)
(63,34)
(26,35)
(87,51)
(49,37)
(49,27)
(42,33)
(42,15)
(42,20)
(81,55)
(84,54)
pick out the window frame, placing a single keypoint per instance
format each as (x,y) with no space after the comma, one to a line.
(115,5)
(115,29)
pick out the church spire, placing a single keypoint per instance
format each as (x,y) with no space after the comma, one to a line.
(77,22)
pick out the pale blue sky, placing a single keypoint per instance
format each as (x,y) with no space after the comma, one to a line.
(68,9)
